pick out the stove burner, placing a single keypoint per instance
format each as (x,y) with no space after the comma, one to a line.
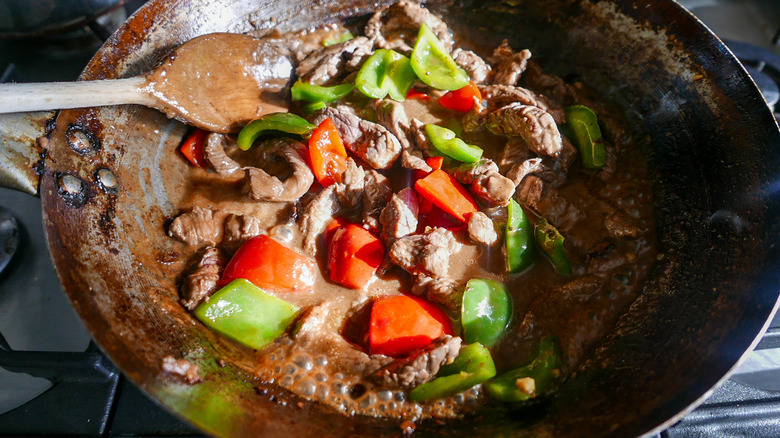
(9,237)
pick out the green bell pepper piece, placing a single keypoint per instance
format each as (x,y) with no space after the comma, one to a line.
(551,243)
(485,312)
(520,248)
(448,144)
(433,64)
(473,366)
(386,72)
(284,122)
(339,38)
(583,127)
(530,380)
(243,312)
(317,93)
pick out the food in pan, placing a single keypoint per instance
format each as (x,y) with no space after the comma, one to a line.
(425,231)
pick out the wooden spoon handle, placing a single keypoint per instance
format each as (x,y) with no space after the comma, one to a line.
(61,95)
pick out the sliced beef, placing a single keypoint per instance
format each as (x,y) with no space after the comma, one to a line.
(418,137)
(606,259)
(474,119)
(391,115)
(545,201)
(520,170)
(568,155)
(442,290)
(516,151)
(494,189)
(396,27)
(550,85)
(467,173)
(498,96)
(475,66)
(421,366)
(508,64)
(621,226)
(372,142)
(197,227)
(181,367)
(214,151)
(350,189)
(202,282)
(316,215)
(377,193)
(536,126)
(399,217)
(481,229)
(238,228)
(265,187)
(427,253)
(545,168)
(330,64)
(202,226)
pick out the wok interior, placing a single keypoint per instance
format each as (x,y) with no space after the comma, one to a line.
(711,142)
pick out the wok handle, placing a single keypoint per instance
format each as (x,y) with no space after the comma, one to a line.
(20,152)
(45,96)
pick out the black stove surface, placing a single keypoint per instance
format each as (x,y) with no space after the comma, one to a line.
(54,381)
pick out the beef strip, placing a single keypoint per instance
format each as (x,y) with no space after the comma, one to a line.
(442,290)
(516,151)
(536,126)
(203,226)
(202,282)
(545,201)
(568,155)
(475,66)
(494,189)
(427,253)
(396,27)
(520,170)
(238,227)
(371,142)
(214,151)
(421,366)
(481,229)
(399,217)
(606,258)
(197,227)
(550,85)
(181,367)
(350,189)
(467,173)
(330,64)
(392,116)
(316,215)
(474,119)
(265,187)
(508,64)
(418,137)
(376,195)
(498,96)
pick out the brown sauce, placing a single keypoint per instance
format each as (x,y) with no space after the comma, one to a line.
(329,369)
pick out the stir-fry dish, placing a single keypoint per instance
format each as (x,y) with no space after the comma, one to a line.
(424,231)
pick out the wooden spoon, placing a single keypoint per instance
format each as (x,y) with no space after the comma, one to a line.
(218,82)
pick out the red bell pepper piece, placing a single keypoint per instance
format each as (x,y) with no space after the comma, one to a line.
(416,95)
(435,162)
(354,256)
(401,324)
(192,148)
(461,99)
(447,193)
(327,153)
(269,264)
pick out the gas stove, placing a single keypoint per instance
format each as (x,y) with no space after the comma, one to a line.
(53,379)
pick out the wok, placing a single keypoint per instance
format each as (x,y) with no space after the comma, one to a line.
(110,180)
